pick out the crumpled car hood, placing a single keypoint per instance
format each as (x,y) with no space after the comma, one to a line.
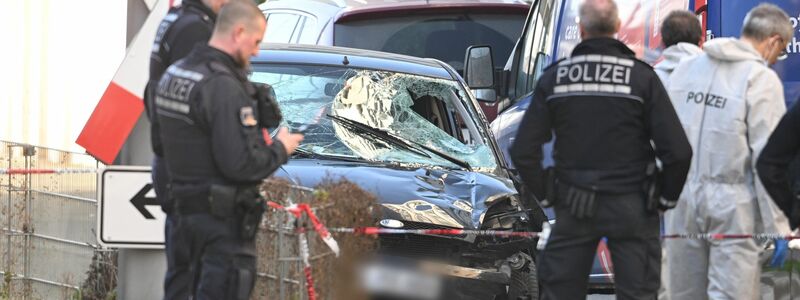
(452,198)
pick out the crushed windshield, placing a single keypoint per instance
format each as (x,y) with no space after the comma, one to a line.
(422,110)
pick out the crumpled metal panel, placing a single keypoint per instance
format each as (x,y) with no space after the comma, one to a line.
(412,194)
(410,186)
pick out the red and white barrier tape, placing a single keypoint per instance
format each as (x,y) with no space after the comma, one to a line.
(379,231)
(305,253)
(312,294)
(297,210)
(719,236)
(531,234)
(46,171)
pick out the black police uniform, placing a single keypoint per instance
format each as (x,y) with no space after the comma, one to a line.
(604,107)
(775,161)
(216,156)
(184,27)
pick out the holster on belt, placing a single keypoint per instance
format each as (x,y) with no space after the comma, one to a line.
(652,187)
(252,207)
(245,203)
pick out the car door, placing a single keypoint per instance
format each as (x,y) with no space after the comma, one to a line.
(531,55)
(291,26)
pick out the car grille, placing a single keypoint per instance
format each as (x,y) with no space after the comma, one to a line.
(420,246)
(418,226)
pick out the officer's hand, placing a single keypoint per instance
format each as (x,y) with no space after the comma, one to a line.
(290,141)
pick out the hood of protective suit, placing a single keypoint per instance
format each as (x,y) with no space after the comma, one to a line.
(672,57)
(730,49)
(675,53)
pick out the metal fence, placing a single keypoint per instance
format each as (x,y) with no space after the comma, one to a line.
(49,249)
(280,263)
(48,242)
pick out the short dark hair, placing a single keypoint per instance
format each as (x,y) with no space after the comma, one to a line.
(238,12)
(681,26)
(599,17)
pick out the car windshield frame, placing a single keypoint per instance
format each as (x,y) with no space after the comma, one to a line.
(330,98)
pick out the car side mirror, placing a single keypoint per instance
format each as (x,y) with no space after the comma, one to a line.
(479,67)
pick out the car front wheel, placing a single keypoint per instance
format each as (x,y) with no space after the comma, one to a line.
(524,283)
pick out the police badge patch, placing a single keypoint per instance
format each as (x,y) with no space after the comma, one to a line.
(247,117)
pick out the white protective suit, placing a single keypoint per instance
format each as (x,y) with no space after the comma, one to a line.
(673,55)
(729,102)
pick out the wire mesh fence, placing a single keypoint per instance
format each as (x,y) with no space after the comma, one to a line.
(280,264)
(48,222)
(49,249)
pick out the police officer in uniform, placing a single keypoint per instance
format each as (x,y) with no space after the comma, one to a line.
(774,163)
(184,27)
(611,118)
(210,117)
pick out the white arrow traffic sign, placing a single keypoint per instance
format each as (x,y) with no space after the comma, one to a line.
(128,214)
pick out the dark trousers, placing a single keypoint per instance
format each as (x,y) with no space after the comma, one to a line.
(633,238)
(178,279)
(161,178)
(212,262)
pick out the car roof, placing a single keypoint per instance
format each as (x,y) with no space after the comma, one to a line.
(345,10)
(374,9)
(356,58)
(375,3)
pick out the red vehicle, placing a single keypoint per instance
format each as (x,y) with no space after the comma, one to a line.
(431,29)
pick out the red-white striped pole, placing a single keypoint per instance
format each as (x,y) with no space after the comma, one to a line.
(119,107)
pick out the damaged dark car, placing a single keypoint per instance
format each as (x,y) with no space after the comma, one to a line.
(409,131)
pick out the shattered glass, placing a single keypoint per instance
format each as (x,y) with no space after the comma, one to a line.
(392,102)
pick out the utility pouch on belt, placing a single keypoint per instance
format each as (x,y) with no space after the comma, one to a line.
(222,200)
(550,187)
(652,187)
(253,207)
(580,201)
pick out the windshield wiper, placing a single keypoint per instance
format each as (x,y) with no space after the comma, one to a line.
(405,144)
(380,134)
(310,154)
